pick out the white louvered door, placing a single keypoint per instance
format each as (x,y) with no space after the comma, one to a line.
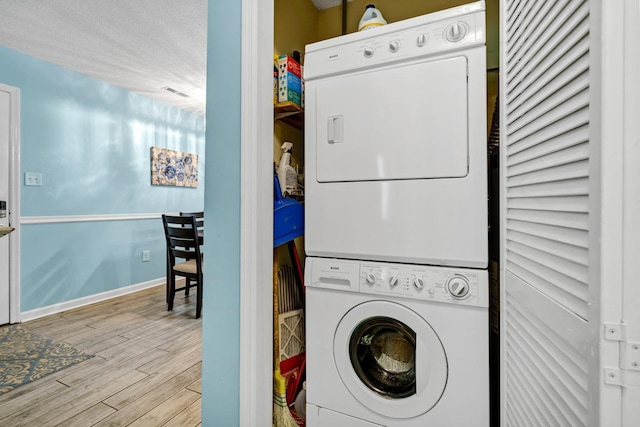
(562,224)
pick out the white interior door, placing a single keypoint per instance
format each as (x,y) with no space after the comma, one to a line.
(10,192)
(546,153)
(4,196)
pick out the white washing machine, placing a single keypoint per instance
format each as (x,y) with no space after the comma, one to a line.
(395,142)
(396,345)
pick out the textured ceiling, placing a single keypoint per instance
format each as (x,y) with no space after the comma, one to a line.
(140,45)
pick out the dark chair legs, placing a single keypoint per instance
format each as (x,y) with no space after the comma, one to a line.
(199,299)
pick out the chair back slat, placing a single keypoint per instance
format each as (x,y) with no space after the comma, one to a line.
(182,237)
(199,216)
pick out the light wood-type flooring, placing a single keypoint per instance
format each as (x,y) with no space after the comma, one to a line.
(146,370)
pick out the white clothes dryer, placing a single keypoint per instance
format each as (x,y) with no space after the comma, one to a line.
(395,142)
(396,345)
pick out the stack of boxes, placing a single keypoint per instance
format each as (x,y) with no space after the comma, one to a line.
(290,84)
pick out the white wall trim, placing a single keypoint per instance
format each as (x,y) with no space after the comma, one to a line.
(90,218)
(14,202)
(90,299)
(256,235)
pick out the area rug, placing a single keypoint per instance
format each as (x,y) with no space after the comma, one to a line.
(26,357)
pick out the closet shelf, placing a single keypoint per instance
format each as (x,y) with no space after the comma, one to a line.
(289,113)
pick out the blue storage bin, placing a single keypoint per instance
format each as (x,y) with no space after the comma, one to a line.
(288,217)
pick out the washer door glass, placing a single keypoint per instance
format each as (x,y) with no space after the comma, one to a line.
(390,359)
(383,354)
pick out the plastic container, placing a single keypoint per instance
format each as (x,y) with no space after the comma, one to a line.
(286,173)
(371,18)
(301,402)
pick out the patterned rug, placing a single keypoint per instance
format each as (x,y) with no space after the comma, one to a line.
(26,357)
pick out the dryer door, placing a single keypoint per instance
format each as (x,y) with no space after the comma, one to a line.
(400,122)
(390,359)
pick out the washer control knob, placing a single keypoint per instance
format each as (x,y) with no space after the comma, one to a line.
(370,278)
(421,40)
(368,52)
(418,283)
(394,280)
(458,287)
(394,46)
(455,32)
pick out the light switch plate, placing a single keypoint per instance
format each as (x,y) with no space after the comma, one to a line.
(33,179)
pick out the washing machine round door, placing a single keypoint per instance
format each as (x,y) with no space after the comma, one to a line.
(390,359)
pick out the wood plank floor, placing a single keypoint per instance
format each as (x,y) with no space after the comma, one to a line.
(146,370)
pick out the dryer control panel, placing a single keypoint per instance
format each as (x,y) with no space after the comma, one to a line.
(426,35)
(437,284)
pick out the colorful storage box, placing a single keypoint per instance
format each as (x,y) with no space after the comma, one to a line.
(289,80)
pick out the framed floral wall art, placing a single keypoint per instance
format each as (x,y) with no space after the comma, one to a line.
(174,168)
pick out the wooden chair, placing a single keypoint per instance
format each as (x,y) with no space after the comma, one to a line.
(199,216)
(183,243)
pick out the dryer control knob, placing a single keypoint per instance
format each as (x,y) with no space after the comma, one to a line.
(458,287)
(421,40)
(370,278)
(368,52)
(394,280)
(455,32)
(394,46)
(418,283)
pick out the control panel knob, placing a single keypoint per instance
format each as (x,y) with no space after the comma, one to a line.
(394,280)
(368,52)
(421,40)
(370,278)
(394,46)
(455,32)
(458,287)
(418,283)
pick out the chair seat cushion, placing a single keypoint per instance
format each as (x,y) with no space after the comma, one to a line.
(188,267)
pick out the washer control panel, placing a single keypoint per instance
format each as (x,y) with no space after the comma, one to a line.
(459,286)
(438,284)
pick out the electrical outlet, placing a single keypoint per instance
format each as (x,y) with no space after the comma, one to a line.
(33,179)
(146,256)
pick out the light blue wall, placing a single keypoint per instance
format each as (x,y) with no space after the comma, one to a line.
(91,142)
(221,322)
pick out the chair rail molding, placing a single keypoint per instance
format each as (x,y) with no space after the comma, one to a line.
(90,218)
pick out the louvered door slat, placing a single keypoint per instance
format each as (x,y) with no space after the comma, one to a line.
(560,204)
(561,397)
(575,121)
(544,88)
(538,25)
(546,105)
(569,104)
(523,11)
(573,140)
(574,187)
(561,250)
(562,32)
(554,234)
(575,220)
(553,174)
(529,14)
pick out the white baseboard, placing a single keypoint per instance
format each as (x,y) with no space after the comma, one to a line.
(91,299)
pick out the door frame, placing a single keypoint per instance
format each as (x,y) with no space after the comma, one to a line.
(256,214)
(14,201)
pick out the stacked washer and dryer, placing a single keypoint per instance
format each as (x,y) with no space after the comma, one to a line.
(396,225)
